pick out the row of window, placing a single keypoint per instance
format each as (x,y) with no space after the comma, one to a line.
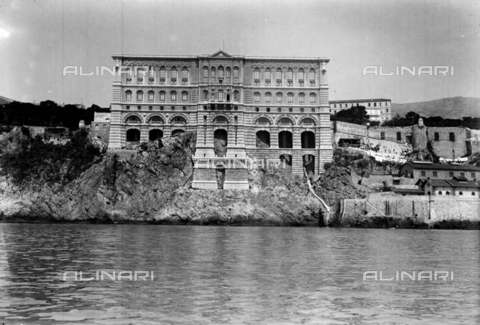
(140,96)
(451,174)
(278,75)
(149,74)
(349,105)
(220,72)
(448,193)
(279,98)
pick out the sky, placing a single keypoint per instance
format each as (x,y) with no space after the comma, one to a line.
(365,40)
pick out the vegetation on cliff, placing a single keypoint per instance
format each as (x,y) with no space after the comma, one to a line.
(31,161)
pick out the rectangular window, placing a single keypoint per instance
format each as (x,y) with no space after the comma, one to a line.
(451,136)
(382,135)
(399,136)
(451,174)
(423,173)
(436,136)
(435,174)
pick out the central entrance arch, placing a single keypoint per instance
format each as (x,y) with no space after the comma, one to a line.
(220,142)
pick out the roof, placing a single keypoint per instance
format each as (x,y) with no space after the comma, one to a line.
(369,100)
(437,166)
(453,183)
(404,190)
(220,54)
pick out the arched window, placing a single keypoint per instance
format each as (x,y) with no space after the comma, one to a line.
(127,72)
(205,95)
(263,139)
(220,120)
(311,76)
(221,97)
(155,134)
(220,72)
(256,96)
(212,72)
(301,98)
(228,72)
(133,120)
(139,96)
(268,75)
(140,73)
(256,74)
(133,135)
(308,139)
(285,140)
(155,120)
(179,120)
(262,121)
(128,96)
(278,76)
(205,72)
(290,98)
(313,98)
(162,96)
(268,97)
(151,95)
(307,122)
(236,72)
(184,74)
(173,96)
(290,74)
(301,75)
(163,74)
(285,121)
(279,97)
(184,96)
(236,96)
(173,74)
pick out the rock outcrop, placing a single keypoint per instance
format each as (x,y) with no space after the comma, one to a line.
(153,185)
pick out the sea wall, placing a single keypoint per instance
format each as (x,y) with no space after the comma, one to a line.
(415,210)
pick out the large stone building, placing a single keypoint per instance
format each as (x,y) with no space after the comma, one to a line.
(269,109)
(378,109)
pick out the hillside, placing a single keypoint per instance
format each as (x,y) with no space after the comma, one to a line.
(452,107)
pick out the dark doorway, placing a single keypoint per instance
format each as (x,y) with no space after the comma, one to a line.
(155,134)
(263,139)
(133,135)
(220,142)
(285,139)
(308,139)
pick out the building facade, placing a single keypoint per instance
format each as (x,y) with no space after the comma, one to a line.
(270,109)
(378,109)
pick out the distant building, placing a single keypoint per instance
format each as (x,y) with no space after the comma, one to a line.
(446,142)
(452,187)
(378,109)
(424,170)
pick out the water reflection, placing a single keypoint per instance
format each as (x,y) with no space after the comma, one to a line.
(220,275)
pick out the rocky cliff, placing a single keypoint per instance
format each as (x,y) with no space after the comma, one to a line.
(152,185)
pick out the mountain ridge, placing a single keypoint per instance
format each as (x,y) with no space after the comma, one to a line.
(448,107)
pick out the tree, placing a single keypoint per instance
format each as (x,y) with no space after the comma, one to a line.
(355,114)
